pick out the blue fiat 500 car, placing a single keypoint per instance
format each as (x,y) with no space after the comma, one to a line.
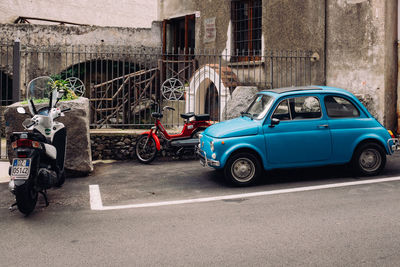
(297,127)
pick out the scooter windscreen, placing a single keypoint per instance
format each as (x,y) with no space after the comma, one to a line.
(41,90)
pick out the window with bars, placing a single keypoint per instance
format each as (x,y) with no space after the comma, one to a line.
(246,20)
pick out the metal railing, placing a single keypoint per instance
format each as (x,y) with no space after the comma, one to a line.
(6,71)
(125,85)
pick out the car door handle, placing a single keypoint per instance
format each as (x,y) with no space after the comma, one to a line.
(323,126)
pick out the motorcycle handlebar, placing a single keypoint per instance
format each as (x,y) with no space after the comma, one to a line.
(169,108)
(65,109)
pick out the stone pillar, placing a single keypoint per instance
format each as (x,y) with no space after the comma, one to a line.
(78,161)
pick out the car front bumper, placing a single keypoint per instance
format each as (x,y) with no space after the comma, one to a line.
(393,145)
(204,161)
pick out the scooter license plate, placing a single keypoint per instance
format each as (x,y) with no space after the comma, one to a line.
(21,168)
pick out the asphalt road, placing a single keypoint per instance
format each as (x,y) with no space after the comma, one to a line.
(351,225)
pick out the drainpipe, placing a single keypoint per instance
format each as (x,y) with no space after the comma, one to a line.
(398,87)
(325,39)
(398,67)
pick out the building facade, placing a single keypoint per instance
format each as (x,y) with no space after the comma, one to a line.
(344,43)
(354,42)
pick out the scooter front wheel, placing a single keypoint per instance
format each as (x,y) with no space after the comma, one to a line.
(146,150)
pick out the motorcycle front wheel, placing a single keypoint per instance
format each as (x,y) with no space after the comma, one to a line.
(146,150)
(26,197)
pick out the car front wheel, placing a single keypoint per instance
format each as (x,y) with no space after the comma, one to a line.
(369,159)
(242,169)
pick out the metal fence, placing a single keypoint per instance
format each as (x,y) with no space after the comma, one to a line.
(6,71)
(125,85)
(6,86)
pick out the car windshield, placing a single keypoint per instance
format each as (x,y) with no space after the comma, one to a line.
(259,107)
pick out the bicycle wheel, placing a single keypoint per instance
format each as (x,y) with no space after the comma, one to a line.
(146,150)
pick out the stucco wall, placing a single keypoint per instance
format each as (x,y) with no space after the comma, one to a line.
(123,13)
(175,8)
(361,53)
(296,24)
(54,35)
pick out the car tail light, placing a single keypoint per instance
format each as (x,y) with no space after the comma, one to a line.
(25,143)
(391,134)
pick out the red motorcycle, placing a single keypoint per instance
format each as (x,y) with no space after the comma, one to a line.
(148,144)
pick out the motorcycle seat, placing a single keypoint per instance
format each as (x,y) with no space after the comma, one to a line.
(157,115)
(202,117)
(187,116)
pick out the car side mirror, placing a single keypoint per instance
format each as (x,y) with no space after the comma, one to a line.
(21,110)
(274,121)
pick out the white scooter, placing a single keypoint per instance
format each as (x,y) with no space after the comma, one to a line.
(40,153)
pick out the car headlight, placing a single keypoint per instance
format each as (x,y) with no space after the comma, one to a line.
(212,146)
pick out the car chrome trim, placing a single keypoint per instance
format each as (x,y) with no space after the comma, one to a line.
(205,161)
(290,109)
(395,146)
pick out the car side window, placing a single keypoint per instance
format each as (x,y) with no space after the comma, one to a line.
(305,107)
(339,107)
(282,111)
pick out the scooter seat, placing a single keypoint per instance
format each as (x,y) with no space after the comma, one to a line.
(202,117)
(187,116)
(157,115)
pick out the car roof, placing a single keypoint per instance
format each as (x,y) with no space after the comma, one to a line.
(306,89)
(291,89)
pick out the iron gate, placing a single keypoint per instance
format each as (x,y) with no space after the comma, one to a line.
(125,84)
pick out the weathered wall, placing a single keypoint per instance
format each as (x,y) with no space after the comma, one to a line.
(123,13)
(55,35)
(117,42)
(296,25)
(221,12)
(302,22)
(168,9)
(361,53)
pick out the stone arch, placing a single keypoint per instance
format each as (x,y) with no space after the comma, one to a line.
(224,80)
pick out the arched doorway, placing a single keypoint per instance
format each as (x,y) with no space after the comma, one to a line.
(210,89)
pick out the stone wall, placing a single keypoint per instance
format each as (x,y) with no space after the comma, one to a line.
(78,159)
(121,145)
(113,146)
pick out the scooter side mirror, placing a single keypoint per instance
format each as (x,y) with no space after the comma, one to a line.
(60,95)
(21,110)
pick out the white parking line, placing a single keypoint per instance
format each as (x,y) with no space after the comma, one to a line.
(95,198)
(96,202)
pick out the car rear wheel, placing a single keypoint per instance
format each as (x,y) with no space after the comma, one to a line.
(242,169)
(369,159)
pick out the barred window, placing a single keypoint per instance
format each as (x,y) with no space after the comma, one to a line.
(246,20)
